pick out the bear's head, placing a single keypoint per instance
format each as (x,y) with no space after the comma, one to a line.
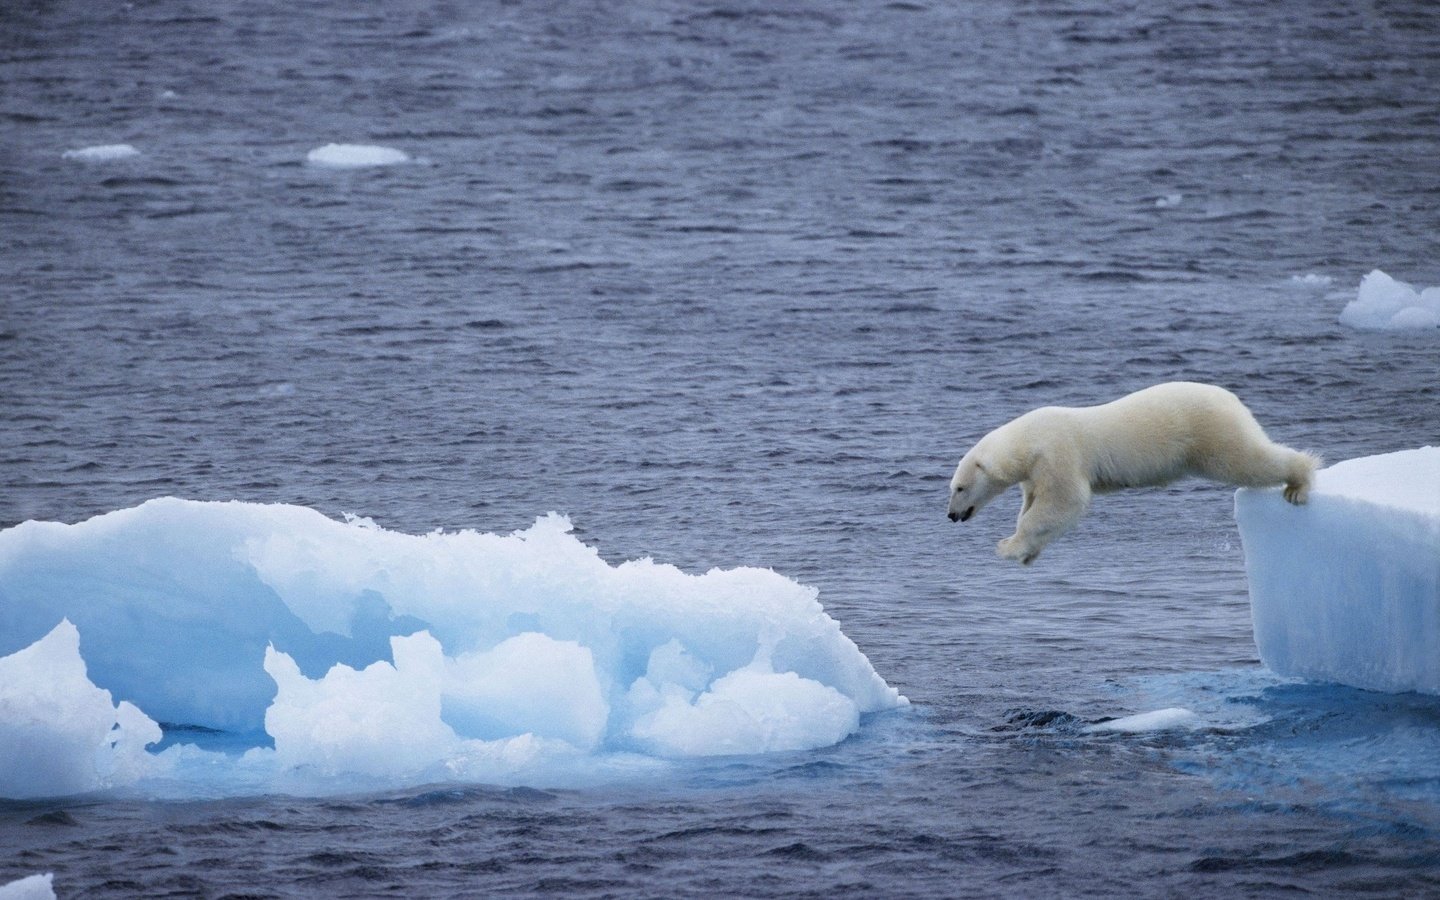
(972,486)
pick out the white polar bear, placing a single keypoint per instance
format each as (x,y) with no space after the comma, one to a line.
(1061,455)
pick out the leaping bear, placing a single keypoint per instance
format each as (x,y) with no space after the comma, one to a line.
(1061,455)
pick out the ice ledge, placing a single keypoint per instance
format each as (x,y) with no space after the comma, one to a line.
(1347,588)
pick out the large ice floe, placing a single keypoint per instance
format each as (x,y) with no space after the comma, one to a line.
(1347,587)
(329,650)
(1384,304)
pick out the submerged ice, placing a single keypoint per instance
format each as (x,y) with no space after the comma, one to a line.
(1347,588)
(343,649)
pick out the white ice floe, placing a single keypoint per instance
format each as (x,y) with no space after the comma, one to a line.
(1169,201)
(102,153)
(35,887)
(1347,587)
(366,652)
(1310,278)
(355,156)
(1384,304)
(1157,720)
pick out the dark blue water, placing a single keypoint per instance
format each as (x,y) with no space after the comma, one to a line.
(736,284)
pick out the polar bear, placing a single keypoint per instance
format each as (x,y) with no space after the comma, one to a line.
(1061,455)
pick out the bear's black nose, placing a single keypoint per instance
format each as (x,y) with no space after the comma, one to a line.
(954,517)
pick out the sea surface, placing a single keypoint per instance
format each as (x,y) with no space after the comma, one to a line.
(736,283)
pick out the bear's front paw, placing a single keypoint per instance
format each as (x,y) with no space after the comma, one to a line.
(1297,493)
(1015,548)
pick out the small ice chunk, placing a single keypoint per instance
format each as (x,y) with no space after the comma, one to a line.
(1310,278)
(35,887)
(102,153)
(355,156)
(1169,201)
(1159,720)
(1384,304)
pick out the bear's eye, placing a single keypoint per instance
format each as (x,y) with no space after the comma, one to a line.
(959,488)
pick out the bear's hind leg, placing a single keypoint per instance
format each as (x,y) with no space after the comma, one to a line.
(1299,476)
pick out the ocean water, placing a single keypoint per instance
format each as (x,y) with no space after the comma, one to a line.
(737,284)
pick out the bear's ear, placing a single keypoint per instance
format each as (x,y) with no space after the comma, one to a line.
(981,466)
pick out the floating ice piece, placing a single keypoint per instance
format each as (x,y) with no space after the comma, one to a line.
(355,156)
(102,153)
(36,887)
(1347,587)
(59,733)
(1310,278)
(408,657)
(1158,720)
(1169,201)
(1388,305)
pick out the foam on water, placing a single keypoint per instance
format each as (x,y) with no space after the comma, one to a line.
(361,652)
(355,156)
(1386,304)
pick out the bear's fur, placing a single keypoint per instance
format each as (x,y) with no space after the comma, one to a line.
(1061,455)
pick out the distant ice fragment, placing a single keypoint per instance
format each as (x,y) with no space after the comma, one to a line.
(35,887)
(1169,201)
(59,733)
(355,156)
(1347,587)
(102,153)
(1384,304)
(1310,278)
(1159,720)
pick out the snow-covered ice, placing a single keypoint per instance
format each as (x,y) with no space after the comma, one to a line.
(35,887)
(1385,304)
(364,652)
(355,156)
(102,153)
(1347,587)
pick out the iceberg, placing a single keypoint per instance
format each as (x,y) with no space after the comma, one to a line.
(1384,304)
(340,649)
(355,156)
(1347,588)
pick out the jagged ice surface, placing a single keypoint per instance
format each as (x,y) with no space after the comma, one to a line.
(1347,587)
(364,652)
